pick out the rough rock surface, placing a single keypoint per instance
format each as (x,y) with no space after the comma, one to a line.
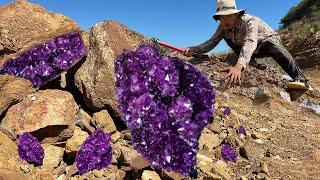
(96,78)
(12,90)
(43,109)
(24,25)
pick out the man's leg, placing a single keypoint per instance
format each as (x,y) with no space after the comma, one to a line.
(284,59)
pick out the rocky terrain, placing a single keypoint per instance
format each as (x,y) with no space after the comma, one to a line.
(282,139)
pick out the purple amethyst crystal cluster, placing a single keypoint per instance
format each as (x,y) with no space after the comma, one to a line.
(29,149)
(46,61)
(228,153)
(94,153)
(165,103)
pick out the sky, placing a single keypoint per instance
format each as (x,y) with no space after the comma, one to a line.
(181,23)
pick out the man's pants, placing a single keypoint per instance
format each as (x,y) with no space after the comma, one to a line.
(273,48)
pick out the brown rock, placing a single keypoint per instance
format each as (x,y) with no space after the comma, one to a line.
(172,175)
(120,174)
(71,170)
(62,177)
(317,155)
(208,141)
(24,25)
(96,78)
(221,168)
(212,176)
(83,121)
(61,169)
(264,168)
(74,143)
(215,127)
(10,175)
(115,136)
(150,175)
(104,121)
(12,90)
(44,109)
(139,163)
(251,150)
(53,156)
(127,155)
(9,158)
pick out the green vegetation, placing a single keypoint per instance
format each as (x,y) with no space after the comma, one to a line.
(305,9)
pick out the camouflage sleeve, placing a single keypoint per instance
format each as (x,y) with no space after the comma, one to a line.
(212,42)
(250,42)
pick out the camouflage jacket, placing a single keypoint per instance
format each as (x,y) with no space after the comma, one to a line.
(244,38)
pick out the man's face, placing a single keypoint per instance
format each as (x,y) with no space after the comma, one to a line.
(227,21)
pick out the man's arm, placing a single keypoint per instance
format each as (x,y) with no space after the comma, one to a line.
(250,43)
(211,43)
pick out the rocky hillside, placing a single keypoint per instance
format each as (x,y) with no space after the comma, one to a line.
(281,138)
(301,33)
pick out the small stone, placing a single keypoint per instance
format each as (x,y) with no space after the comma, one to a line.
(221,168)
(285,96)
(259,141)
(139,163)
(25,168)
(251,150)
(264,168)
(242,117)
(261,176)
(150,175)
(71,170)
(215,127)
(52,156)
(120,174)
(212,176)
(317,155)
(277,157)
(115,136)
(287,112)
(104,121)
(243,178)
(203,160)
(208,141)
(264,130)
(98,173)
(84,121)
(62,177)
(126,168)
(256,135)
(127,155)
(74,143)
(262,95)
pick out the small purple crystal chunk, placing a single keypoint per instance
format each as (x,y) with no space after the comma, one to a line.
(242,130)
(228,153)
(94,153)
(165,103)
(46,61)
(227,111)
(29,149)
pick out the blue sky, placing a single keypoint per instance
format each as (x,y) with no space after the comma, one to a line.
(178,22)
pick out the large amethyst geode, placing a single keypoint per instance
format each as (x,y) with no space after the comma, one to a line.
(94,153)
(165,103)
(46,61)
(29,149)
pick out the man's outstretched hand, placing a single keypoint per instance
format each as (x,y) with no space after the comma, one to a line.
(234,74)
(189,51)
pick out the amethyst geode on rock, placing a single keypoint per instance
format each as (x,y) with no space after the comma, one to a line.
(95,152)
(166,103)
(29,149)
(46,61)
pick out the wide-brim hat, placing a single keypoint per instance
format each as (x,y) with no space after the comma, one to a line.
(226,7)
